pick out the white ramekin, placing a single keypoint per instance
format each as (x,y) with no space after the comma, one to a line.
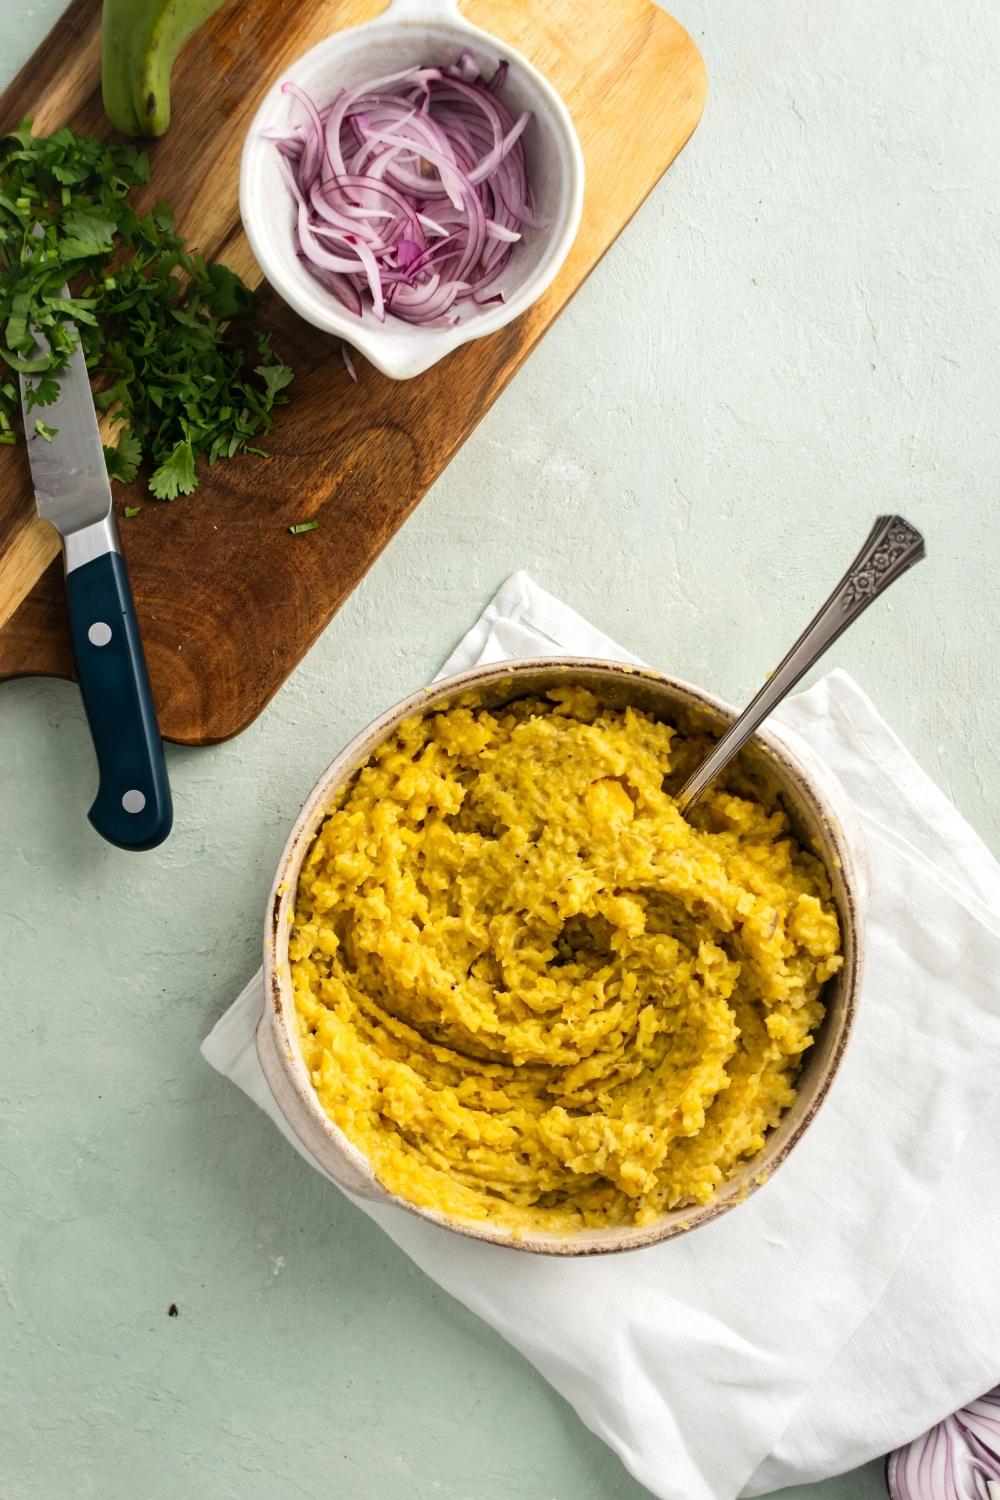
(408,33)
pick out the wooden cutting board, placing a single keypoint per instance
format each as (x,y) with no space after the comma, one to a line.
(228,600)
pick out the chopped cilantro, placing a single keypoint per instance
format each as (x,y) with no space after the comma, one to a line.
(175,476)
(44,430)
(85,232)
(124,458)
(303,526)
(42,392)
(132,510)
(167,337)
(275,378)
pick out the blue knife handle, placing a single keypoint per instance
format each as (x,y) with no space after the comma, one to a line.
(133,808)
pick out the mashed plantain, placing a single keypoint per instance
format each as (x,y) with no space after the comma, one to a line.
(529,991)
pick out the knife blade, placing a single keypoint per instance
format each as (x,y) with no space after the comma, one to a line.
(72,488)
(133,807)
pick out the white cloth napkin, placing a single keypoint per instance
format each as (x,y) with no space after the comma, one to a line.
(855,1300)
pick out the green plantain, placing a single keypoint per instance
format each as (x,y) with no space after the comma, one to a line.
(139,41)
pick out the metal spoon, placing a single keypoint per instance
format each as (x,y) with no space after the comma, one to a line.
(892,546)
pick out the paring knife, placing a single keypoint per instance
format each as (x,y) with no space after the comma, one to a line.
(133,808)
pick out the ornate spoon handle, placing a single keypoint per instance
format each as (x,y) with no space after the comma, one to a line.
(892,546)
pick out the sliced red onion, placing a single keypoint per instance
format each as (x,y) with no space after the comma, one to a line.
(410,191)
(957,1460)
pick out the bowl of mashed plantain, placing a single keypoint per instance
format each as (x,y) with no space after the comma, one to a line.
(513,990)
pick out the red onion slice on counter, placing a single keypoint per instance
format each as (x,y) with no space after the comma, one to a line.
(411,191)
(959,1459)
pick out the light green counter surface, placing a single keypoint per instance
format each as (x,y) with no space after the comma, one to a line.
(798,330)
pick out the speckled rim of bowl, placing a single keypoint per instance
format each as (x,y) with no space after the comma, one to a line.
(819,807)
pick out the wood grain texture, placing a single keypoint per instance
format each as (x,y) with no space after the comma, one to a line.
(228,600)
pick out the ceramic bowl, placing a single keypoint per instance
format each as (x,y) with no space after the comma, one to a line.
(822,816)
(411,32)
